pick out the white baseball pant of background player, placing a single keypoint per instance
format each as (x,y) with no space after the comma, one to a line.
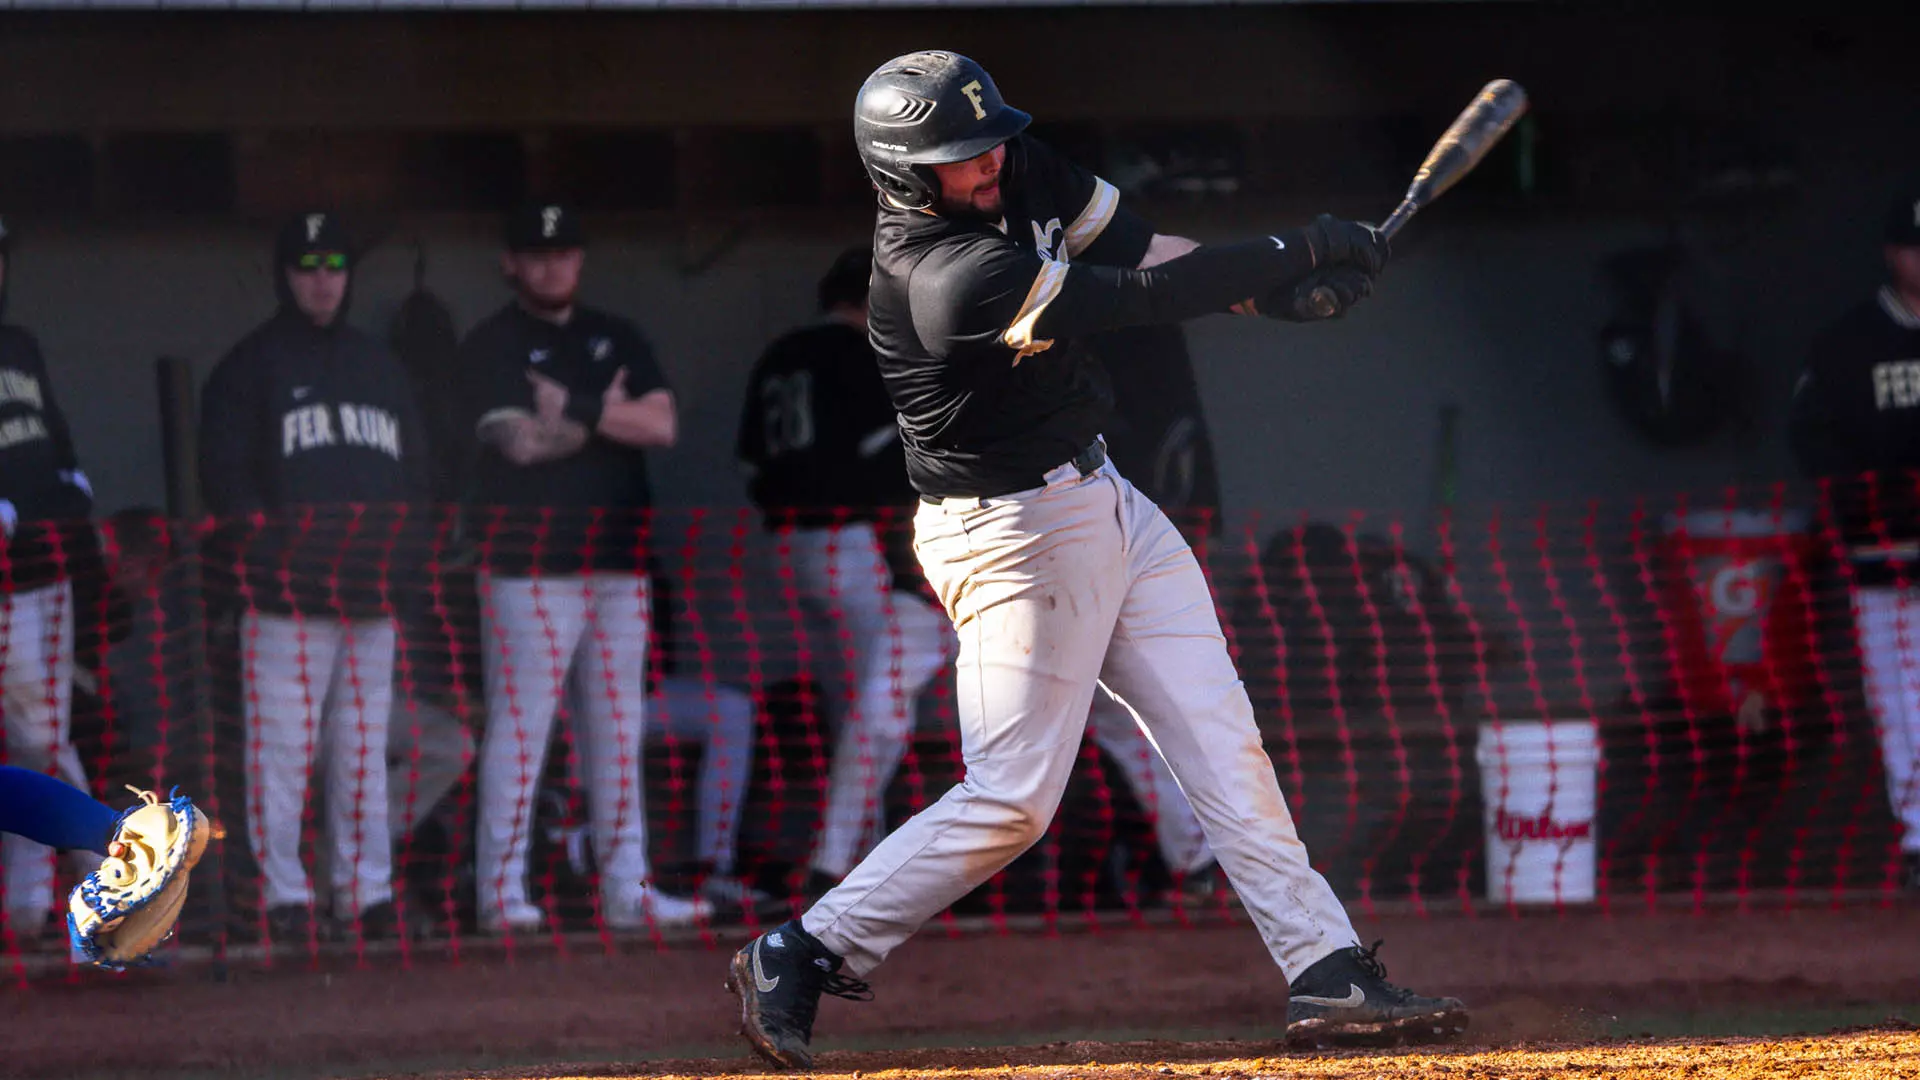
(1888,619)
(428,750)
(720,719)
(895,644)
(883,648)
(536,630)
(36,695)
(319,683)
(1050,590)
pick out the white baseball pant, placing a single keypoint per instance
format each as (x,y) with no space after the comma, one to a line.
(428,750)
(1051,590)
(889,647)
(36,697)
(319,683)
(720,718)
(1888,622)
(535,631)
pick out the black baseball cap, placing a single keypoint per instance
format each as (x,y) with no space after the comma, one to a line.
(544,227)
(316,232)
(1903,216)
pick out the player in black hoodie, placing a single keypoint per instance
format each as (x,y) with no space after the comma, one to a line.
(1856,426)
(312,455)
(45,503)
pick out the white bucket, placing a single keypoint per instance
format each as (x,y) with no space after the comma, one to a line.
(1538,783)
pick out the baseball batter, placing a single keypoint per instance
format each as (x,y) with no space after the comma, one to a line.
(991,256)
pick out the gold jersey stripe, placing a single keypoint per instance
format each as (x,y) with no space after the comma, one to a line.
(1093,220)
(1046,286)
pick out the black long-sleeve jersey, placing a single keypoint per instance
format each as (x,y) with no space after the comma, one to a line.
(1856,423)
(316,432)
(818,434)
(40,476)
(973,322)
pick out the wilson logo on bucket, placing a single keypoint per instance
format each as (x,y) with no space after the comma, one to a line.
(1513,828)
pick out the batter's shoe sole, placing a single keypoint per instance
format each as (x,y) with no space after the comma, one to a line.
(1346,1000)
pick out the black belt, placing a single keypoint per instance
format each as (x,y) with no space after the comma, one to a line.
(1086,463)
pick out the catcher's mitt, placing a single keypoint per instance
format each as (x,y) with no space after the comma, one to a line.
(122,911)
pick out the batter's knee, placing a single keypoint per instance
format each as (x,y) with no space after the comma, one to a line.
(1022,812)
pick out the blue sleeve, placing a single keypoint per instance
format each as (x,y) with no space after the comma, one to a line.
(53,812)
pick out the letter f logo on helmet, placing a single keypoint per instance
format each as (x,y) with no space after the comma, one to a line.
(972,90)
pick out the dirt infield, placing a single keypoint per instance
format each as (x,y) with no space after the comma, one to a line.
(1534,979)
(1870,1055)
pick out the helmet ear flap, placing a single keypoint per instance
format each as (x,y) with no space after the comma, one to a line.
(912,188)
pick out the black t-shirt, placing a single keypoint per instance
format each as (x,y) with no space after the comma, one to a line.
(1856,410)
(819,435)
(583,513)
(987,404)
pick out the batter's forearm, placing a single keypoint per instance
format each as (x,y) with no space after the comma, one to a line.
(1208,279)
(1163,248)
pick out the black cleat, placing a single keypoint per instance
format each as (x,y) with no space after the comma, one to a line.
(379,922)
(1345,999)
(779,978)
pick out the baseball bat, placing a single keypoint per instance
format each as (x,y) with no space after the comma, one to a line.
(1488,117)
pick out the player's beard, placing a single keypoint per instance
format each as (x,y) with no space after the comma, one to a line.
(973,208)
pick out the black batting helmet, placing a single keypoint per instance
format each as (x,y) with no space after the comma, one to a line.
(927,108)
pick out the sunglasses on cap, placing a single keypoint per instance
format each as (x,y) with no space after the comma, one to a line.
(315,260)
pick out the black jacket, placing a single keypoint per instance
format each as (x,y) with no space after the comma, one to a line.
(1856,425)
(314,460)
(39,475)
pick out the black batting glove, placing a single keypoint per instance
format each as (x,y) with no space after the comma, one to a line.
(1347,285)
(1338,242)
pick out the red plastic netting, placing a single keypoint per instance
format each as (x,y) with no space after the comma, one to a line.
(1609,703)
